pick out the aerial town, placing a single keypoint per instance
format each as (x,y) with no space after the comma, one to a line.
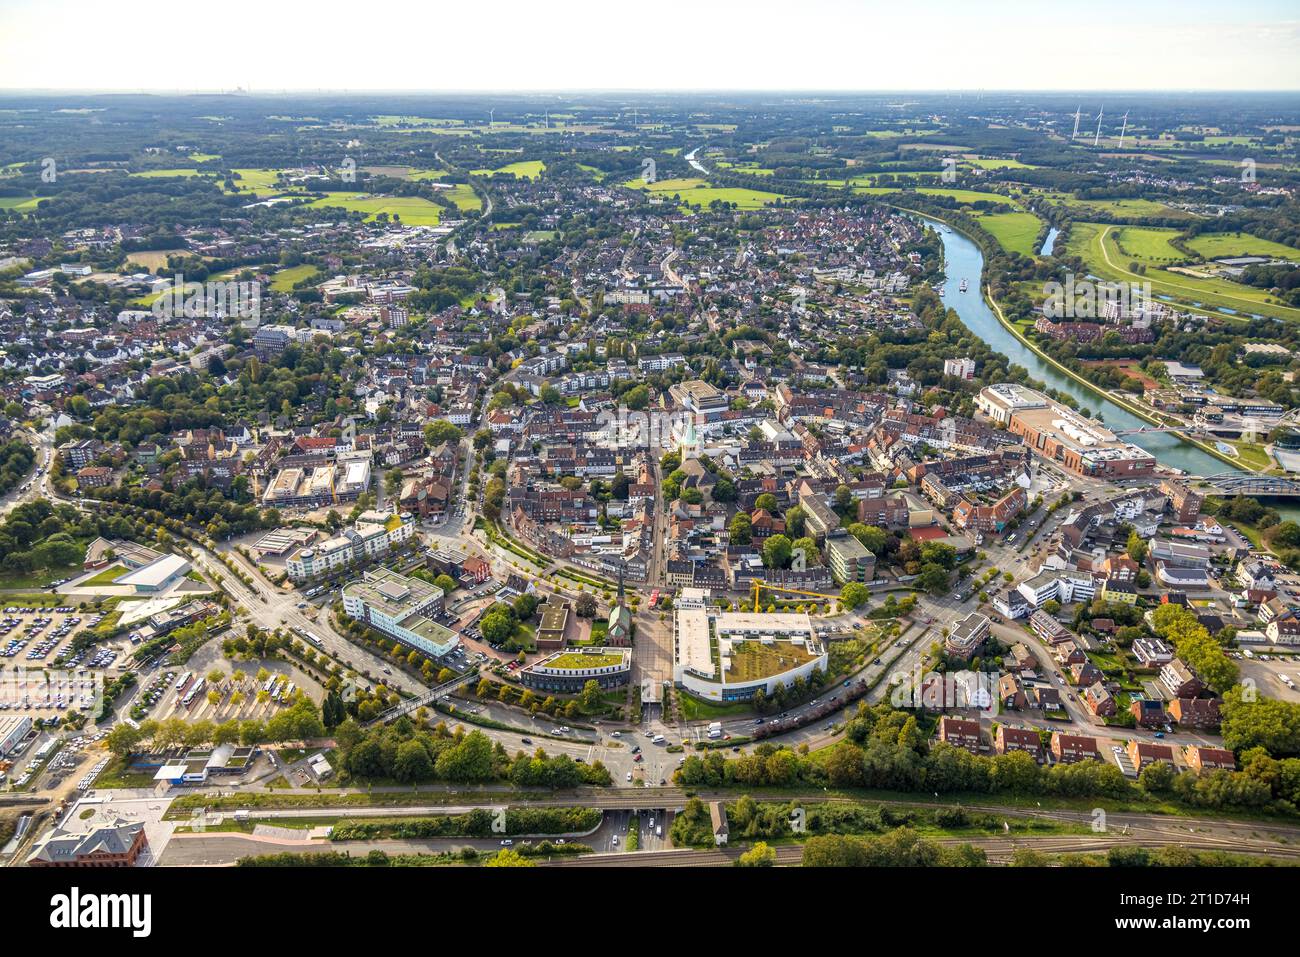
(490,481)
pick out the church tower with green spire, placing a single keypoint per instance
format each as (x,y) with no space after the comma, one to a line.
(618,629)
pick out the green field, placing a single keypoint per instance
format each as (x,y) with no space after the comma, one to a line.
(1117,209)
(741,198)
(1095,243)
(1017,232)
(1148,245)
(524,169)
(961,195)
(696,192)
(169,173)
(752,169)
(667,185)
(1227,245)
(463,195)
(998,164)
(259,182)
(412,210)
(283,281)
(20,203)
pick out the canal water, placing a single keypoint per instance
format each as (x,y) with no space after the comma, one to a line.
(964,261)
(1049,242)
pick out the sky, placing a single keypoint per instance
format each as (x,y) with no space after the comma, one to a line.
(521,45)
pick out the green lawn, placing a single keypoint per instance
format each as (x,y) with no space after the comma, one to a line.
(697,709)
(577,660)
(107,577)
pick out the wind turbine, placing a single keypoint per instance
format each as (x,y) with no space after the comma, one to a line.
(1096,140)
(1077,114)
(491,114)
(1123,129)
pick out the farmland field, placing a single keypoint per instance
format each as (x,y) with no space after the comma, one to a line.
(667,185)
(259,182)
(413,210)
(1119,208)
(166,173)
(524,169)
(1227,245)
(1017,232)
(961,195)
(463,195)
(1148,244)
(998,164)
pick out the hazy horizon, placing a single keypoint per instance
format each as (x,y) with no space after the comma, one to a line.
(822,46)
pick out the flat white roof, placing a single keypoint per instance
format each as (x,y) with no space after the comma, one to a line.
(156,572)
(692,649)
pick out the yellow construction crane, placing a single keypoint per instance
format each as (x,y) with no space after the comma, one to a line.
(759,585)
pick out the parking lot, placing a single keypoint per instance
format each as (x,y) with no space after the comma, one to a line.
(52,759)
(1271,675)
(43,636)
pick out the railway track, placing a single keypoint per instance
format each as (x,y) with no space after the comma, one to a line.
(999,850)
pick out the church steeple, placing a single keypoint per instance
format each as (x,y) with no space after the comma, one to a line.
(621,566)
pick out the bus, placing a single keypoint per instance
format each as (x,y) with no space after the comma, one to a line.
(654,598)
(183,680)
(193,693)
(314,639)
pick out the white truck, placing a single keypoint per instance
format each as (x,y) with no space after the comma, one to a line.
(715,729)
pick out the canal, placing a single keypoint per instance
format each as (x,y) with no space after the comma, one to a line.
(964,261)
